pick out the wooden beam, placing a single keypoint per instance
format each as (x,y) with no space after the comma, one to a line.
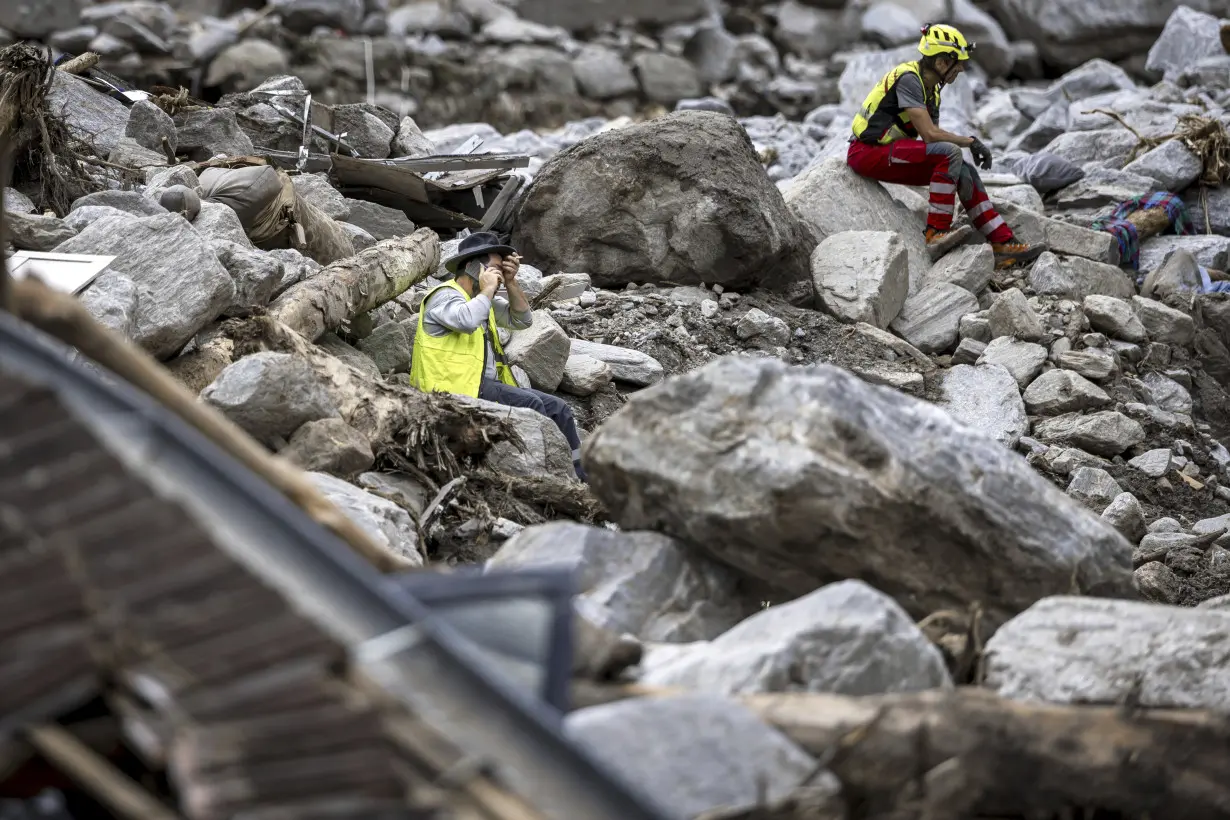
(96,775)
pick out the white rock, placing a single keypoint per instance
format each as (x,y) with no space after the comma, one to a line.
(1115,318)
(584,375)
(542,349)
(846,638)
(627,365)
(1090,650)
(987,398)
(1154,463)
(1062,391)
(862,276)
(930,318)
(384,522)
(1023,360)
(970,266)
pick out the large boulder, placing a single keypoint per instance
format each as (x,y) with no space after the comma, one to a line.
(801,476)
(830,198)
(862,276)
(681,199)
(181,283)
(846,638)
(1070,32)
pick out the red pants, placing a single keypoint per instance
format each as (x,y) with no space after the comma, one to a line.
(942,167)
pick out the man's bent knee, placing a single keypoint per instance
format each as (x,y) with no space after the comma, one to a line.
(952,152)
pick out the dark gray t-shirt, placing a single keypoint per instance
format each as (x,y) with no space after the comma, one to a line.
(910,92)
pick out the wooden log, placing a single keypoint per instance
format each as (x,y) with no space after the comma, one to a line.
(950,755)
(65,318)
(358,284)
(1149,222)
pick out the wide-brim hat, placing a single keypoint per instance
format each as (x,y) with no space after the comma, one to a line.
(477,244)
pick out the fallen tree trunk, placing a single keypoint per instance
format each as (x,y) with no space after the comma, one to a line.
(967,752)
(361,283)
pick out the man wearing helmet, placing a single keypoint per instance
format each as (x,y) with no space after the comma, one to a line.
(897,139)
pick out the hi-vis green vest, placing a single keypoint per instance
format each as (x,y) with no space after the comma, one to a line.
(874,125)
(453,363)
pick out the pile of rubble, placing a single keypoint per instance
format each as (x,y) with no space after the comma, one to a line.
(1005,460)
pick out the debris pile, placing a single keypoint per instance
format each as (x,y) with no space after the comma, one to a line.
(831,480)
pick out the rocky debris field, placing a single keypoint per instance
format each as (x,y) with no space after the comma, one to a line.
(819,462)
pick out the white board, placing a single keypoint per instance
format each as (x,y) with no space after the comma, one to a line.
(65,272)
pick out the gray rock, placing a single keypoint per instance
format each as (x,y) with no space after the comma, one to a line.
(694,171)
(830,198)
(970,267)
(930,318)
(677,750)
(1062,391)
(1158,582)
(243,65)
(158,180)
(602,73)
(814,33)
(1168,394)
(1163,323)
(15,202)
(1104,186)
(130,154)
(364,131)
(564,286)
(1126,514)
(639,583)
(546,451)
(1093,487)
(329,446)
(1154,463)
(37,232)
(208,132)
(218,222)
(1171,164)
(1216,215)
(703,457)
(1012,315)
(846,638)
(542,350)
(360,239)
(451,137)
(1022,360)
(1211,525)
(580,15)
(585,375)
(760,327)
(149,125)
(1187,37)
(1042,132)
(256,275)
(129,202)
(1210,251)
(380,221)
(627,365)
(315,188)
(384,522)
(302,16)
(975,326)
(88,215)
(1179,274)
(1085,650)
(1105,433)
(1075,278)
(38,20)
(410,141)
(269,395)
(1092,363)
(969,351)
(665,78)
(1165,525)
(95,118)
(1115,318)
(112,301)
(862,276)
(183,287)
(1022,196)
(389,347)
(357,359)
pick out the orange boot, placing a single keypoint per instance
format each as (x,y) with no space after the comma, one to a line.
(941,242)
(1015,252)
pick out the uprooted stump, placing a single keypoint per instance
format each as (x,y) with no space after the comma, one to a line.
(46,157)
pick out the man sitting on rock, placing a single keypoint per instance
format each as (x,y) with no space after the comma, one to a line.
(457,348)
(896,139)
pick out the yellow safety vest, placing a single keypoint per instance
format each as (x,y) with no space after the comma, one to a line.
(884,123)
(453,363)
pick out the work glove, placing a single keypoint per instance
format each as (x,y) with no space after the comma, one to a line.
(982,155)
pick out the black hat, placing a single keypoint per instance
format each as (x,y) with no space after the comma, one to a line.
(477,244)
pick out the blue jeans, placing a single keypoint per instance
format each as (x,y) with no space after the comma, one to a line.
(550,406)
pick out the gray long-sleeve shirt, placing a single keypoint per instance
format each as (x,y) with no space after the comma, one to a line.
(447,311)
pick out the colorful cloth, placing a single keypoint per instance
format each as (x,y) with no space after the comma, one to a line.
(1125,234)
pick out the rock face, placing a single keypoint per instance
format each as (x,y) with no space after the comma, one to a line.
(676,749)
(640,583)
(862,276)
(182,285)
(680,199)
(804,475)
(846,638)
(1083,650)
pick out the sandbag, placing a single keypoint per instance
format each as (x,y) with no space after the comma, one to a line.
(247,191)
(1048,172)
